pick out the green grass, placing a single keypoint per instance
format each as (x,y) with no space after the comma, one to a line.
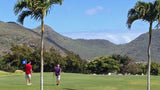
(71,81)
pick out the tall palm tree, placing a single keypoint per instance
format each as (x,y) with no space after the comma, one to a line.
(37,9)
(150,12)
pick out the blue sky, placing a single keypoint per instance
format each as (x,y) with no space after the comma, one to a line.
(87,19)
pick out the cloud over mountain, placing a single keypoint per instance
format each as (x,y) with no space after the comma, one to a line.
(117,38)
(93,11)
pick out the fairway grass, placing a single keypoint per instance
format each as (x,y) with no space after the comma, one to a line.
(72,81)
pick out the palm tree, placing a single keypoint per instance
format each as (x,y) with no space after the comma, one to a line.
(37,9)
(150,12)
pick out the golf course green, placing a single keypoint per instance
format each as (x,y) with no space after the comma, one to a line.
(72,81)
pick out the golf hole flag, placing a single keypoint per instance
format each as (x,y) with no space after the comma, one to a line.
(24,62)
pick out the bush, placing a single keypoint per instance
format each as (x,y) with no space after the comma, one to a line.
(19,72)
(9,69)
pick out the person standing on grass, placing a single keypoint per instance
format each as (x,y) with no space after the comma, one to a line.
(28,71)
(57,71)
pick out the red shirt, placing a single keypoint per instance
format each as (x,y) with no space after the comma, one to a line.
(28,68)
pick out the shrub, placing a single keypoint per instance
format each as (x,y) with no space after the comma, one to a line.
(19,72)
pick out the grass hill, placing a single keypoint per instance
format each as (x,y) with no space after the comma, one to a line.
(88,49)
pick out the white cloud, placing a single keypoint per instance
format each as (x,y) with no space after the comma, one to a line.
(117,38)
(94,10)
(127,38)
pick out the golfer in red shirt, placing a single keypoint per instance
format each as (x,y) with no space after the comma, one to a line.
(28,70)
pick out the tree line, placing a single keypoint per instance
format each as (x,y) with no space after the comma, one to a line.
(72,62)
(13,60)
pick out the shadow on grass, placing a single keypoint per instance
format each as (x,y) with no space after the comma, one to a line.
(68,89)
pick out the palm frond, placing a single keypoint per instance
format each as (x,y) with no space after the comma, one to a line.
(56,1)
(157,7)
(37,15)
(37,8)
(141,8)
(19,6)
(131,12)
(131,19)
(146,11)
(23,15)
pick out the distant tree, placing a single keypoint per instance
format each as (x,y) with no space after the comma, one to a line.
(1,62)
(52,58)
(155,68)
(141,68)
(37,9)
(74,63)
(103,65)
(132,68)
(14,59)
(91,66)
(109,64)
(125,63)
(116,57)
(35,58)
(146,11)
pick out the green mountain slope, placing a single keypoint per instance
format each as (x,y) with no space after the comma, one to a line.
(137,48)
(87,49)
(13,33)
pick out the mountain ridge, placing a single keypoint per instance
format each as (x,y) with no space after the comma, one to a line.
(87,49)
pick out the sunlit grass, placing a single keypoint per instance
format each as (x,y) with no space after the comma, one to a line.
(72,81)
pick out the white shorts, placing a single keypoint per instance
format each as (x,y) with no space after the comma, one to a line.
(28,76)
(58,77)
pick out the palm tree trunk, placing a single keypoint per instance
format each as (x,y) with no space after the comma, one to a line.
(149,56)
(42,41)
